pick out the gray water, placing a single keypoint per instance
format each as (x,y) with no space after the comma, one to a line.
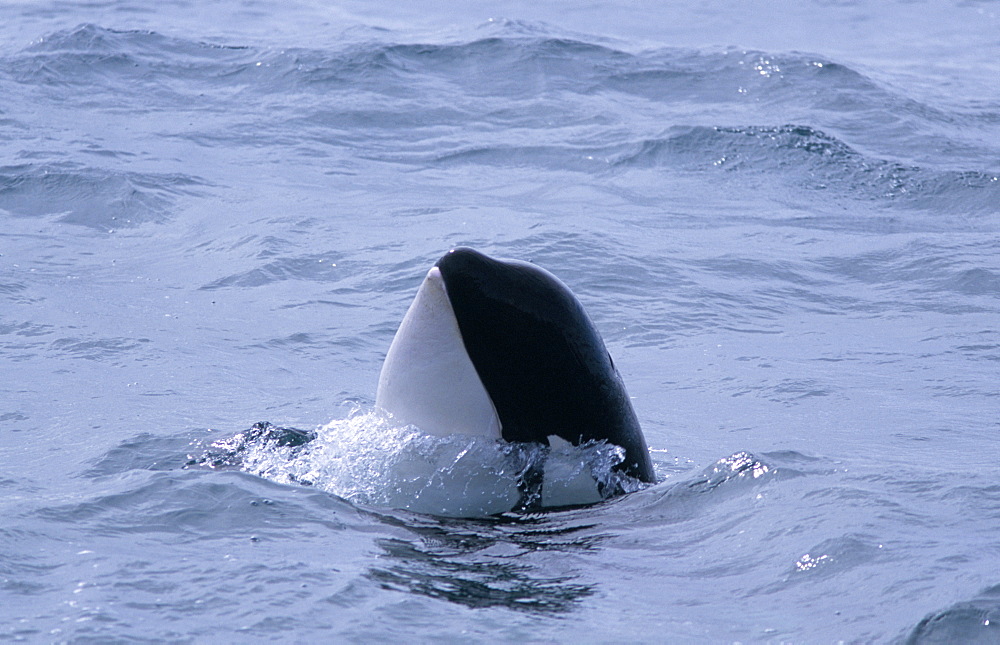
(785,222)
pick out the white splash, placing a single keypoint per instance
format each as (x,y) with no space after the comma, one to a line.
(368,460)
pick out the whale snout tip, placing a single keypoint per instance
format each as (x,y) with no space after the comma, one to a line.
(434,273)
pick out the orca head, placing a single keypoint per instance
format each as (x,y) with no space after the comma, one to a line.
(502,348)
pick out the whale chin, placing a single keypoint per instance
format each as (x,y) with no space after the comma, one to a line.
(427,379)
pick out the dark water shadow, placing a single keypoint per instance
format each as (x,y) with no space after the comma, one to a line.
(485,562)
(475,584)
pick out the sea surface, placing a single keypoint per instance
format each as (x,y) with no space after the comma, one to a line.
(783,218)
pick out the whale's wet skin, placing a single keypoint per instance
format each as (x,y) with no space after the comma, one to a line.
(781,219)
(498,362)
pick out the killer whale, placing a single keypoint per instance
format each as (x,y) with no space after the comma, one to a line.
(503,349)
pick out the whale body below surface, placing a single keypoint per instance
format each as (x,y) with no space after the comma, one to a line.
(503,349)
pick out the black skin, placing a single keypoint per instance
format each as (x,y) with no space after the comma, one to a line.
(540,358)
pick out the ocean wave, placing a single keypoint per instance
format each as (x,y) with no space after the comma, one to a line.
(805,158)
(97,198)
(735,476)
(528,96)
(515,60)
(126,60)
(973,621)
(799,161)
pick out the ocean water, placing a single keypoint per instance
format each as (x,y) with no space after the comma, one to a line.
(784,220)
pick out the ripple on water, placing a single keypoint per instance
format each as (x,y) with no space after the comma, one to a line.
(976,622)
(95,198)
